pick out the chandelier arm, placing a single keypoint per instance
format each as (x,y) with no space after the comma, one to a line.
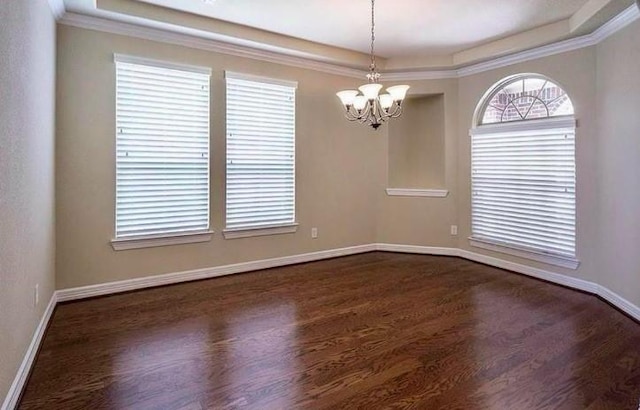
(397,110)
(349,113)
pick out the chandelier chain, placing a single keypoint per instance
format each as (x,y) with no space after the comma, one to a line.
(373,35)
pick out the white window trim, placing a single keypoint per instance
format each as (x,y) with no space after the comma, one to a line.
(125,244)
(411,192)
(521,252)
(177,238)
(552,123)
(260,79)
(249,232)
(123,58)
(292,227)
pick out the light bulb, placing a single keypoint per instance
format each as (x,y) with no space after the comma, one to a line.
(370,91)
(386,101)
(360,102)
(398,92)
(347,97)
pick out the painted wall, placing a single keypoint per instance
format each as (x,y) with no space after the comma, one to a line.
(343,168)
(618,176)
(422,221)
(27,62)
(334,178)
(576,73)
(416,144)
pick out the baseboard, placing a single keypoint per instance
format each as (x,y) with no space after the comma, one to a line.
(619,302)
(11,401)
(553,277)
(422,250)
(206,273)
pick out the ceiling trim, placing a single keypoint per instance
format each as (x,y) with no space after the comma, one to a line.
(170,34)
(616,24)
(57,8)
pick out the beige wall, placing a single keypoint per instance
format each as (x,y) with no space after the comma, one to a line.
(335,159)
(575,72)
(416,144)
(618,175)
(343,168)
(27,61)
(421,220)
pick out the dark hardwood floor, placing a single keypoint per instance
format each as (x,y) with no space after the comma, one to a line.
(370,331)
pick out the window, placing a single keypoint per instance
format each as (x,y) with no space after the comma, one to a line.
(162,149)
(260,191)
(523,171)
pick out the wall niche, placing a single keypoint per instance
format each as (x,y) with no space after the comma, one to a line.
(416,144)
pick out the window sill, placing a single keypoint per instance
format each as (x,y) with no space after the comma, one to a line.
(125,244)
(237,233)
(555,260)
(431,193)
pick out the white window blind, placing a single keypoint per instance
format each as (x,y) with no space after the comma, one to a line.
(260,152)
(523,185)
(162,148)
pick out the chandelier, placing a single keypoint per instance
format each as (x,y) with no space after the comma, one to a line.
(372,107)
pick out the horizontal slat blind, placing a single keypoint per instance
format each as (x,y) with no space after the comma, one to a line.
(162,150)
(260,154)
(523,189)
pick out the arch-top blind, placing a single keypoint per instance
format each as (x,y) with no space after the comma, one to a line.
(162,148)
(523,172)
(260,190)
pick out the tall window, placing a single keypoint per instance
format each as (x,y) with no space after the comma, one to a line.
(162,149)
(523,170)
(260,153)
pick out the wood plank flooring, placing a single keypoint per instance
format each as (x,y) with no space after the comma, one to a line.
(371,331)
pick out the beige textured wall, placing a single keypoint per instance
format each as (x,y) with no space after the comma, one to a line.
(421,220)
(575,72)
(335,185)
(27,61)
(343,168)
(416,144)
(618,179)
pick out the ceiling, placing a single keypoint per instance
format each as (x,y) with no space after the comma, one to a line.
(410,34)
(403,27)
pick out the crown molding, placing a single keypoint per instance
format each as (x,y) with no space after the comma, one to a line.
(617,23)
(57,8)
(420,75)
(170,34)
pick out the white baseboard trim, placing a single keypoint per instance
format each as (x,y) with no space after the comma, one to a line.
(83,292)
(553,277)
(11,401)
(423,250)
(206,273)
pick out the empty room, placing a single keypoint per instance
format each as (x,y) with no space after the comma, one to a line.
(281,204)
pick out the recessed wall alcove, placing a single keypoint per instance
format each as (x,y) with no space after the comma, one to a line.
(417,145)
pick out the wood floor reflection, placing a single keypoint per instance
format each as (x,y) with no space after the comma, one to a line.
(377,330)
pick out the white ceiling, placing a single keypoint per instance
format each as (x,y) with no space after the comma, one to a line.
(404,27)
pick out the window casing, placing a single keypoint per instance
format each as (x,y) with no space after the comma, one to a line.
(260,172)
(162,149)
(523,171)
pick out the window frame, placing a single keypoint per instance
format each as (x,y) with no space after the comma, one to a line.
(527,125)
(272,229)
(170,238)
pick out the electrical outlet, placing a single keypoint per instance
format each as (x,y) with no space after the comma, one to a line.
(36,295)
(454,230)
(314,233)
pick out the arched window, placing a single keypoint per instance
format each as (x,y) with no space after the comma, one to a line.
(523,171)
